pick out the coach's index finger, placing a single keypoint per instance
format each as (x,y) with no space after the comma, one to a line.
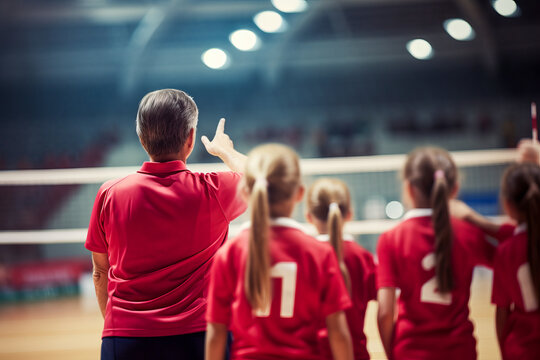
(220,127)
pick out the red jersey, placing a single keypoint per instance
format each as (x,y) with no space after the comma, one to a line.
(160,228)
(513,288)
(431,325)
(308,287)
(362,271)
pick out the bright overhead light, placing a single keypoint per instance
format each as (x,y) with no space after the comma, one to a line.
(245,40)
(215,58)
(394,210)
(420,49)
(506,8)
(459,29)
(270,22)
(290,6)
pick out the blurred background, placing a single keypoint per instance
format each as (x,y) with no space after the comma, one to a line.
(330,78)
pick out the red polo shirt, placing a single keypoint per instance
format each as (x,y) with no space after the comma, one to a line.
(161,228)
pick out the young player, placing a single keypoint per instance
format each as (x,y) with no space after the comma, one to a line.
(516,277)
(329,206)
(430,257)
(273,285)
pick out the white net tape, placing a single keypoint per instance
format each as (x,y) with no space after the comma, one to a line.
(326,166)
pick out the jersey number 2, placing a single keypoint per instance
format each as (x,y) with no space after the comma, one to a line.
(429,293)
(287,272)
(527,291)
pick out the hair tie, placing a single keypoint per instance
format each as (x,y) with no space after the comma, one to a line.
(333,205)
(261,180)
(439,174)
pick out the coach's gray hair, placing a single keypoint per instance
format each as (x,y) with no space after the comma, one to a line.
(164,121)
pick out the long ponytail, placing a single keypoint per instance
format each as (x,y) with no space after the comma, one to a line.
(257,274)
(433,174)
(531,205)
(443,233)
(272,176)
(329,200)
(335,232)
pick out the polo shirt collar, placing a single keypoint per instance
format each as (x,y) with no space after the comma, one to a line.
(326,237)
(521,228)
(415,213)
(150,167)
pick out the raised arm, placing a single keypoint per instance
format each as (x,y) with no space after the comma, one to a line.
(223,147)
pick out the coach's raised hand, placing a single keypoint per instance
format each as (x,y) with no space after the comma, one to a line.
(223,147)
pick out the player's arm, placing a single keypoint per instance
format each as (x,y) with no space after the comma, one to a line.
(223,147)
(100,271)
(385,317)
(501,316)
(339,336)
(216,341)
(460,210)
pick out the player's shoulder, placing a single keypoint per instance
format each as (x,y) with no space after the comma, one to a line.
(296,233)
(466,230)
(513,244)
(357,249)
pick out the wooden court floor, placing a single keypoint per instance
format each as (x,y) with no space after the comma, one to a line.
(69,329)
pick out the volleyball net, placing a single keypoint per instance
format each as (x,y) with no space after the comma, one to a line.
(374,182)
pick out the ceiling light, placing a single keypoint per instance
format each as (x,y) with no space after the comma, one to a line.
(245,40)
(290,6)
(506,8)
(215,58)
(420,49)
(459,29)
(270,22)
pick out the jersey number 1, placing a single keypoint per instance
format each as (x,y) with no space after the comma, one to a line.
(287,272)
(429,293)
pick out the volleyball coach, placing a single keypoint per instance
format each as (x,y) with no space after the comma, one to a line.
(153,235)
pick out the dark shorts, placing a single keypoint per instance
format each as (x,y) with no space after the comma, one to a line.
(177,347)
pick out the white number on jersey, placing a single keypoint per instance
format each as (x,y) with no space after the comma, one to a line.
(287,272)
(429,293)
(530,303)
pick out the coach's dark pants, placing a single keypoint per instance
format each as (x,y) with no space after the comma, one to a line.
(177,347)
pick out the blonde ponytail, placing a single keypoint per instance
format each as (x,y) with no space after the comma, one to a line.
(257,274)
(335,232)
(329,200)
(272,175)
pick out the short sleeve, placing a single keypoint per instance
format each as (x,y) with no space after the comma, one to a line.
(96,240)
(220,290)
(386,270)
(226,188)
(335,296)
(499,293)
(505,232)
(482,251)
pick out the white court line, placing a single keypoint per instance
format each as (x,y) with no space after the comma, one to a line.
(325,166)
